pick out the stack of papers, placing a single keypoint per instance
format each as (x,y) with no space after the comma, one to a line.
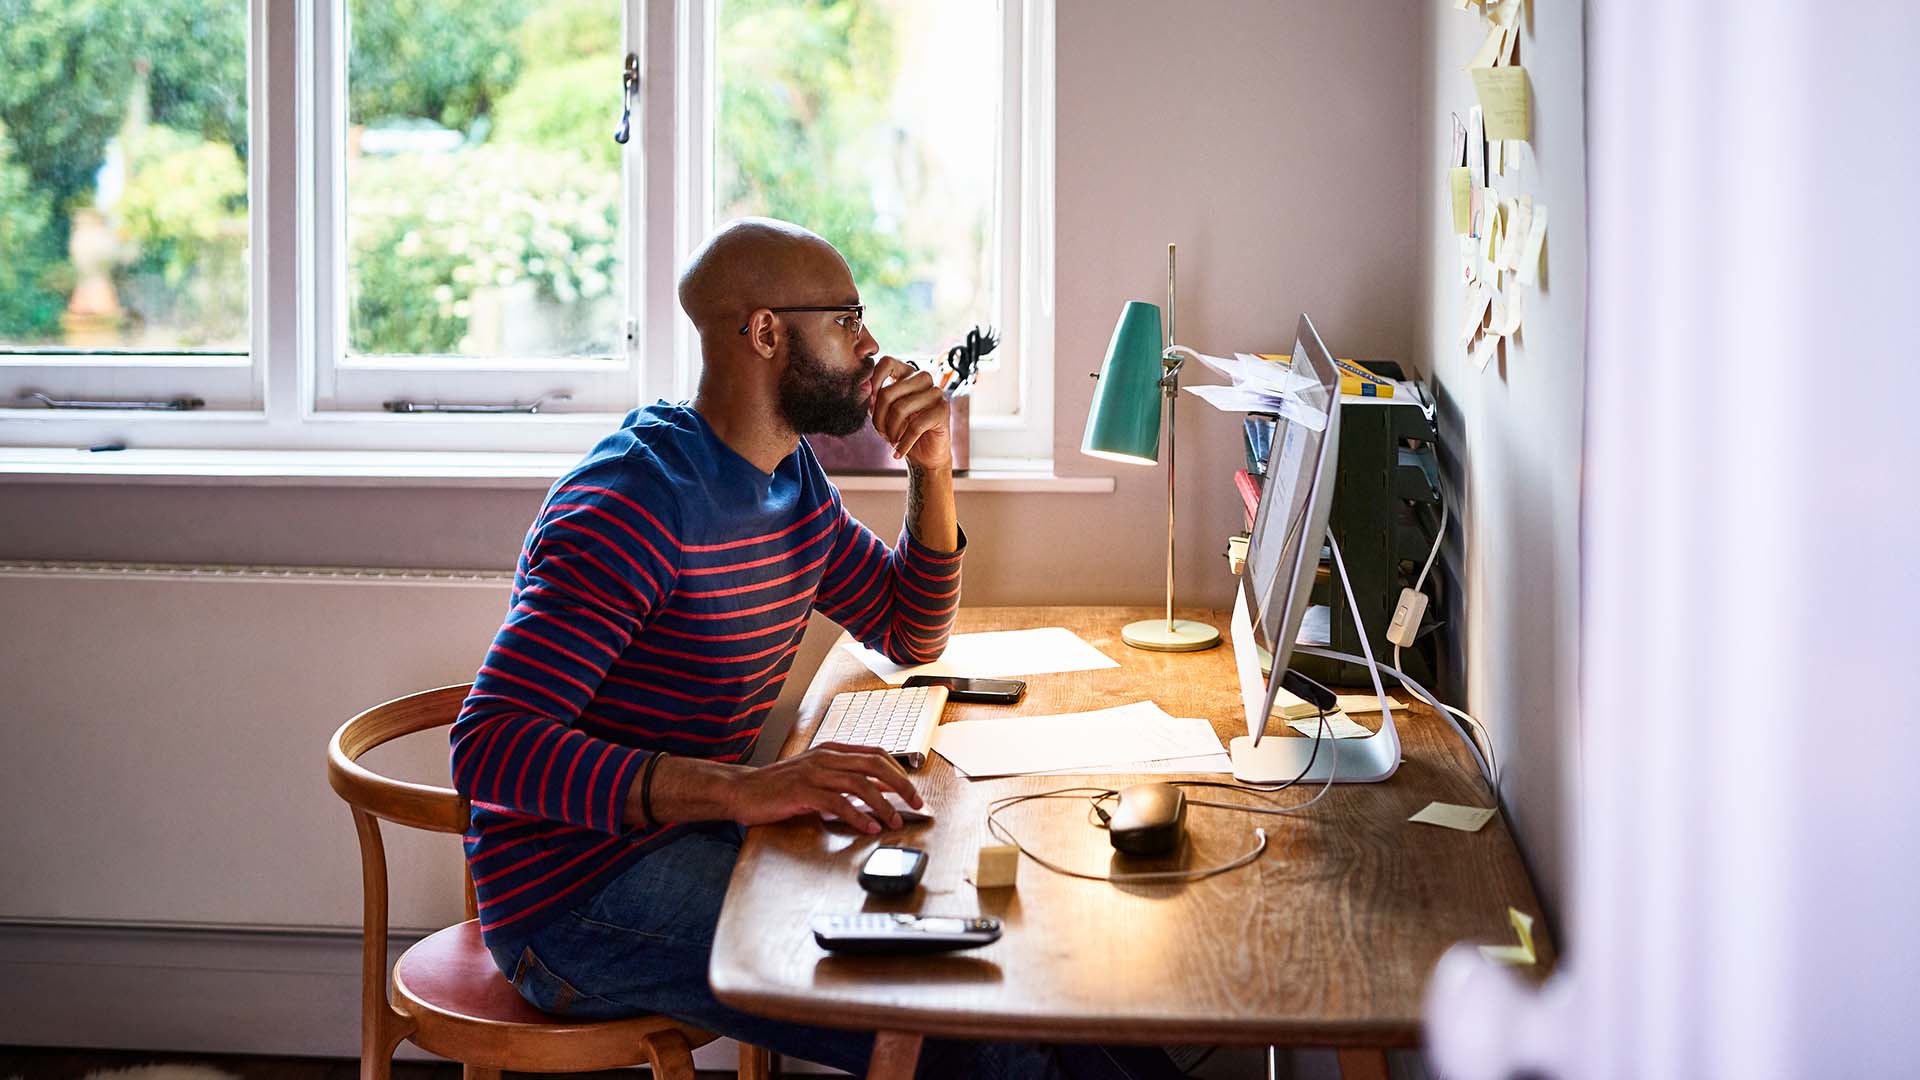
(995,654)
(1260,386)
(1140,737)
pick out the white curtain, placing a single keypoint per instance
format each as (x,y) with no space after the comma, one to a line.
(1747,857)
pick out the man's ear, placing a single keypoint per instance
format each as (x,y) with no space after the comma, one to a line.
(764,333)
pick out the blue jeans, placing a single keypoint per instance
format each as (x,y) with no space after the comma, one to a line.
(641,945)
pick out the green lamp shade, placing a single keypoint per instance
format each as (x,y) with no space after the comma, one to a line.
(1124,423)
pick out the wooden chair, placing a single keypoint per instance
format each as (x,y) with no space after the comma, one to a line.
(448,997)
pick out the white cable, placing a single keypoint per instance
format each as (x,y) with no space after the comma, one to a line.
(1480,734)
(1422,692)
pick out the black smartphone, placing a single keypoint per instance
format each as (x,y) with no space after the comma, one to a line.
(893,871)
(991,691)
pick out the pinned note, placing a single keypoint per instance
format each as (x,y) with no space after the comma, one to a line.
(1490,229)
(1478,298)
(1503,94)
(1477,148)
(1484,349)
(1491,50)
(1339,726)
(1504,12)
(1509,325)
(1529,269)
(1514,232)
(1454,816)
(1496,162)
(1521,955)
(1460,185)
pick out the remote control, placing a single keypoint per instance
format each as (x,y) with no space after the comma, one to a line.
(880,932)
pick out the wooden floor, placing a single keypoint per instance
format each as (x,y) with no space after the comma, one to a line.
(32,1063)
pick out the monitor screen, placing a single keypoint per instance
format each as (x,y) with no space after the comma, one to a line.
(1290,524)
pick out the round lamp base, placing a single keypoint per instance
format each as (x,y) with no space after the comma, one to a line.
(1184,635)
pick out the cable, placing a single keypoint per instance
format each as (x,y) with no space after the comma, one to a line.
(1422,692)
(1490,763)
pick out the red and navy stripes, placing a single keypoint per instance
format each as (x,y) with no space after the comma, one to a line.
(657,605)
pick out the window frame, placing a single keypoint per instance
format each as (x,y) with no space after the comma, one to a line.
(297,121)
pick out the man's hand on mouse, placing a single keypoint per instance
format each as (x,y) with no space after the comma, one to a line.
(910,412)
(819,781)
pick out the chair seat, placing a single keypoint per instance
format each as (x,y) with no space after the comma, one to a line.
(450,987)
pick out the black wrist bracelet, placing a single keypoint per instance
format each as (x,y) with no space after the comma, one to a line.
(646,788)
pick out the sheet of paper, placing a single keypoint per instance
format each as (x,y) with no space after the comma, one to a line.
(1492,231)
(1242,399)
(1478,299)
(1453,816)
(1339,725)
(1529,270)
(1469,261)
(1503,93)
(1504,12)
(1491,50)
(1018,745)
(1460,188)
(996,654)
(1521,955)
(1205,763)
(1496,161)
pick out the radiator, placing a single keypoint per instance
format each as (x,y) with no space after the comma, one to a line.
(163,748)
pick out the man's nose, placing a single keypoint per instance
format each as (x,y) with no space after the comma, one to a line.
(867,347)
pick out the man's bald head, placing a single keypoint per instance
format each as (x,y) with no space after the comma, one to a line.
(751,263)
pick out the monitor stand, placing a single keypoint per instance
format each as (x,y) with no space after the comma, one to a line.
(1279,759)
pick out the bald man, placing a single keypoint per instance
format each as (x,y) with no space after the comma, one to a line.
(659,599)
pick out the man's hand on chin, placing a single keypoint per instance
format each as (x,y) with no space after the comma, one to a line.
(910,412)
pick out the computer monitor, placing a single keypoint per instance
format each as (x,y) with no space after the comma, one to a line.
(1283,561)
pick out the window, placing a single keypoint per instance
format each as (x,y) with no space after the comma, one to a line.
(430,207)
(126,195)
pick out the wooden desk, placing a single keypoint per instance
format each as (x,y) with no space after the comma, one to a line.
(1326,940)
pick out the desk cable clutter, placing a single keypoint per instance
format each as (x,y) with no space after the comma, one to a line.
(1001,832)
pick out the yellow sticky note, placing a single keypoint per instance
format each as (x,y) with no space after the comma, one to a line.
(1490,229)
(1529,270)
(1452,816)
(1356,704)
(1521,955)
(1503,93)
(1460,184)
(1491,50)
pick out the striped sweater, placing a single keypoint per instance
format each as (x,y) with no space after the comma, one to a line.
(657,605)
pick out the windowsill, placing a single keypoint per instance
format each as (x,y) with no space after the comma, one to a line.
(336,468)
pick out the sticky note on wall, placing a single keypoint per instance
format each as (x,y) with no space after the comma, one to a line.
(1460,185)
(1530,252)
(1504,105)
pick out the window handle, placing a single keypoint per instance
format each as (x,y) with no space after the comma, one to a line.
(405,406)
(179,404)
(629,89)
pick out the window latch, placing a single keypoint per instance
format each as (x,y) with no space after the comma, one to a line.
(629,89)
(179,404)
(405,406)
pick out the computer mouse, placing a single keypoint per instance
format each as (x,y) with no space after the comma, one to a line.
(1150,819)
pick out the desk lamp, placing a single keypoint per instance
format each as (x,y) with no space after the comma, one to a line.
(1141,372)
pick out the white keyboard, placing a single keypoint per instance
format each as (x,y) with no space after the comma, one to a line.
(899,721)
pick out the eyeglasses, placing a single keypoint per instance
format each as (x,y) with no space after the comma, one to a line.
(853,318)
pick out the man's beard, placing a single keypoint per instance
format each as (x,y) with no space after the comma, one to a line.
(815,400)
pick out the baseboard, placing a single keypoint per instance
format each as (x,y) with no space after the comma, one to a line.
(274,993)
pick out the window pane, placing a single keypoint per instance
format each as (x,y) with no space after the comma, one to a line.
(123,175)
(874,123)
(483,183)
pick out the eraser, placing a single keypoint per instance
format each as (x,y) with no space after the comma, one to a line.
(997,867)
